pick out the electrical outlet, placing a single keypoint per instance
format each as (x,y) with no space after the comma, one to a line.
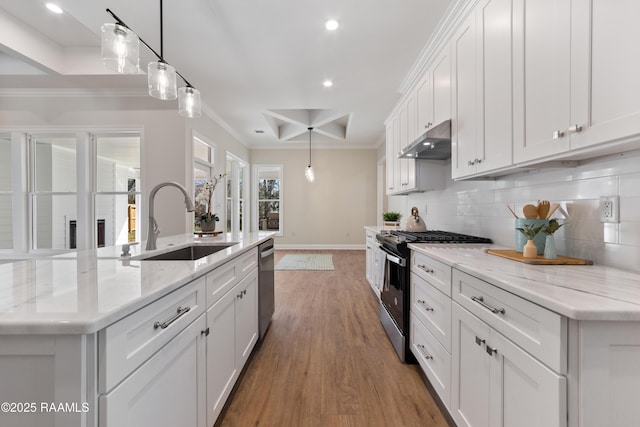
(609,209)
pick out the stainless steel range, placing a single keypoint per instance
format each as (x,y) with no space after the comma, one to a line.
(394,297)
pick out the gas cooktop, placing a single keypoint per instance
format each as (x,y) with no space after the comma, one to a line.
(437,236)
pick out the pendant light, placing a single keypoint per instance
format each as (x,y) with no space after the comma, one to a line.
(189,102)
(120,49)
(120,52)
(308,173)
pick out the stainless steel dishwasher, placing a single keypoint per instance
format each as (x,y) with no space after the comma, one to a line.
(266,301)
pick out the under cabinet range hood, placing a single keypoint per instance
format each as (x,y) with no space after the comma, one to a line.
(434,144)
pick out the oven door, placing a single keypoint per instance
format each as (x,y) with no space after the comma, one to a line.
(395,289)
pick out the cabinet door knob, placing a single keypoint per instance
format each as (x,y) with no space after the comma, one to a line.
(205,332)
(575,129)
(491,351)
(479,341)
(558,134)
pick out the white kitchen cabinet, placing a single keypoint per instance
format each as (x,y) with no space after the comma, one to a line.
(168,389)
(605,88)
(495,383)
(390,156)
(232,323)
(373,262)
(433,94)
(464,100)
(482,93)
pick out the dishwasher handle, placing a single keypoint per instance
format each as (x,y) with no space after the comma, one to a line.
(267,253)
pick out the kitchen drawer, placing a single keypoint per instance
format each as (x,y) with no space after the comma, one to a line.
(432,308)
(225,277)
(371,235)
(433,358)
(128,343)
(434,272)
(540,332)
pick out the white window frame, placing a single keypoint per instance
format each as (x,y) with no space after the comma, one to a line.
(212,170)
(234,177)
(254,185)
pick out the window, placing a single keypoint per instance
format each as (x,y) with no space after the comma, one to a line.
(6,202)
(236,194)
(53,190)
(203,170)
(117,189)
(269,207)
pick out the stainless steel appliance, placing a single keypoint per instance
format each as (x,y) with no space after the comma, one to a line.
(394,297)
(434,144)
(266,301)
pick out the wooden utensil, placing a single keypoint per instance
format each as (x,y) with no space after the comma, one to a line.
(554,207)
(512,212)
(543,209)
(530,211)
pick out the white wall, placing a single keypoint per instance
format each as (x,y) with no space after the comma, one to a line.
(332,211)
(479,207)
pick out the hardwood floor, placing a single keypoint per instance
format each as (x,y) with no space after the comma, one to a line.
(326,361)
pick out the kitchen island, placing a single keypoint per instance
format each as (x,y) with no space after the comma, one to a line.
(506,343)
(95,338)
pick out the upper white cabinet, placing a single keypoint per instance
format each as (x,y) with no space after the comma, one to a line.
(482,130)
(575,82)
(433,94)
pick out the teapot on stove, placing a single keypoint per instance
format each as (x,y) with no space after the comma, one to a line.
(414,222)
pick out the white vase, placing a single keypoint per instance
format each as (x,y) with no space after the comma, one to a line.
(208,226)
(530,250)
(550,248)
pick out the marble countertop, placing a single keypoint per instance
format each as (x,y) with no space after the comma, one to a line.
(85,291)
(591,292)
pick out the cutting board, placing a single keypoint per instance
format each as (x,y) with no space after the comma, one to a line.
(539,260)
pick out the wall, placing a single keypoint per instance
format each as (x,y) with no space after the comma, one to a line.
(332,211)
(479,207)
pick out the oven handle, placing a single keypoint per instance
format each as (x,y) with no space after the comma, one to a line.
(395,259)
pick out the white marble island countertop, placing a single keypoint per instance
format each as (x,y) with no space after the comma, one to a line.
(582,292)
(85,291)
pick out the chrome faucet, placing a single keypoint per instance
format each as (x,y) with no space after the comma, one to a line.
(152,235)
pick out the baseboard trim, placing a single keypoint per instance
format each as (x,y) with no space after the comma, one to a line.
(320,247)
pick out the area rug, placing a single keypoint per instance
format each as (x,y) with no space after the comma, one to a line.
(306,262)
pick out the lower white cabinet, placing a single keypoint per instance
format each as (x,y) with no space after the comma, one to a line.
(374,263)
(495,383)
(232,324)
(167,390)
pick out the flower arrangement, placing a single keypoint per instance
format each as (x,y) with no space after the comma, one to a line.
(205,197)
(552,227)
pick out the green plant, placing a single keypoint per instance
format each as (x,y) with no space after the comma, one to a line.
(391,216)
(205,197)
(529,232)
(552,227)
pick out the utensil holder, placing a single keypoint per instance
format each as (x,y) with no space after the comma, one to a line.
(540,238)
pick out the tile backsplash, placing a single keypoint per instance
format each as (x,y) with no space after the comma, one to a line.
(480,207)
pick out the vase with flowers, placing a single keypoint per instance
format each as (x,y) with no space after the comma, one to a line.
(550,244)
(530,250)
(205,217)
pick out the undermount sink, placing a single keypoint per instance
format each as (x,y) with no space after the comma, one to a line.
(189,253)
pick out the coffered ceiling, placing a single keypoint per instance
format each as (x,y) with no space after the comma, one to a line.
(259,65)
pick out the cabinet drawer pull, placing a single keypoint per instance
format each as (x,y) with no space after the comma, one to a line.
(425,269)
(423,351)
(205,332)
(479,341)
(164,325)
(575,129)
(558,134)
(480,300)
(491,351)
(424,304)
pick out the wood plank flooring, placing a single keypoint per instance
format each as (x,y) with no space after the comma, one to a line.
(326,361)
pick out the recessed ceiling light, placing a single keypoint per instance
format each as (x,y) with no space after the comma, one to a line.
(54,8)
(331,25)
(327,83)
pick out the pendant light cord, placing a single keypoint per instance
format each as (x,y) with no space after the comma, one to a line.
(310,129)
(161,32)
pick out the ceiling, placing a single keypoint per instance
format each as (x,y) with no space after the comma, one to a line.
(259,64)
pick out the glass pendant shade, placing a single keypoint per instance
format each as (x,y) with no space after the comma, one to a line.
(309,174)
(120,49)
(162,80)
(189,102)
